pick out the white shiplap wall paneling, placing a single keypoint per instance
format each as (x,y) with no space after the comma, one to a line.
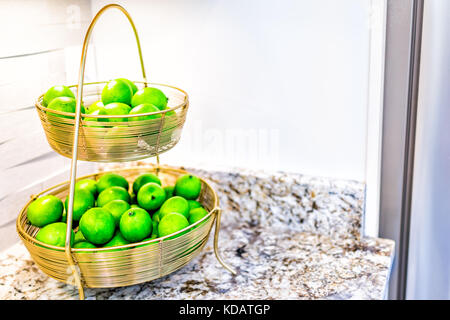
(294,70)
(41,48)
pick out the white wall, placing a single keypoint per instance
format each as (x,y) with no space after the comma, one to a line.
(273,85)
(429,250)
(40,46)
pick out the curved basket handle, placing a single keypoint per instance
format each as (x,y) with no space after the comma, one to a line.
(73,165)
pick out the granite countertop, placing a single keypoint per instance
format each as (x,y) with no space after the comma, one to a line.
(288,236)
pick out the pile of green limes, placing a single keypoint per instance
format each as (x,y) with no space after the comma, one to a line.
(119,97)
(110,212)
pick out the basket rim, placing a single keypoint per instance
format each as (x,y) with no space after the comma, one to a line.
(39,105)
(161,168)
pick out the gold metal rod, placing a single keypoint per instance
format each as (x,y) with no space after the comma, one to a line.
(216,243)
(73,165)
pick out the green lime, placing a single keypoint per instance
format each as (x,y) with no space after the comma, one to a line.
(44,210)
(143,179)
(111,180)
(133,87)
(117,240)
(65,104)
(144,108)
(171,120)
(117,208)
(156,217)
(82,201)
(188,186)
(150,95)
(84,245)
(194,204)
(136,224)
(117,91)
(117,108)
(150,196)
(55,92)
(112,193)
(54,234)
(169,191)
(79,237)
(98,105)
(197,214)
(87,184)
(99,112)
(175,204)
(172,223)
(97,225)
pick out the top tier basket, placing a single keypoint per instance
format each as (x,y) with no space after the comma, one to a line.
(113,141)
(81,139)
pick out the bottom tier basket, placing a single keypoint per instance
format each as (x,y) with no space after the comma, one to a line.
(128,264)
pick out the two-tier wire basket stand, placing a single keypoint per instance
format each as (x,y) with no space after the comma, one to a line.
(80,138)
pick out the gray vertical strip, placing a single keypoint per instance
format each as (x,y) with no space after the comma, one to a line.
(403,40)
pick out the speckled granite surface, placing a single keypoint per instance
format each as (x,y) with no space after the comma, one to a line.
(289,236)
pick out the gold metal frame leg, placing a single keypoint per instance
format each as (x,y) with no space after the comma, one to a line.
(73,166)
(216,243)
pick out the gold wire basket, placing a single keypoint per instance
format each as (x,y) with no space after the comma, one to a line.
(80,139)
(118,140)
(127,264)
(128,140)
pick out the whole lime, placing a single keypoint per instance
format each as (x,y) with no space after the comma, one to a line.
(197,214)
(150,95)
(143,179)
(172,223)
(97,225)
(117,240)
(79,237)
(150,196)
(136,224)
(169,191)
(144,108)
(55,92)
(98,105)
(45,210)
(133,87)
(194,204)
(65,104)
(117,208)
(188,186)
(82,201)
(87,184)
(171,120)
(112,193)
(54,234)
(175,204)
(111,180)
(117,108)
(117,90)
(84,245)
(98,112)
